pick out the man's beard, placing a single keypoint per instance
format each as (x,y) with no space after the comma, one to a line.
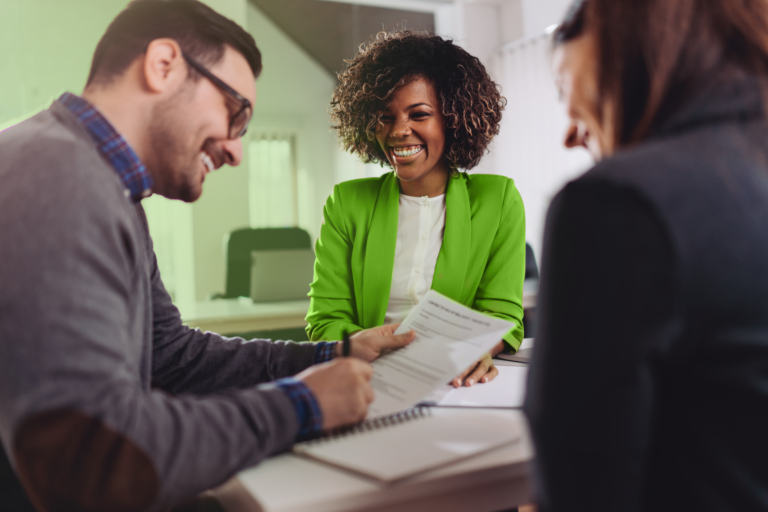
(176,160)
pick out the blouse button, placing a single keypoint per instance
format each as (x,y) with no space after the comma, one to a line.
(423,237)
(418,271)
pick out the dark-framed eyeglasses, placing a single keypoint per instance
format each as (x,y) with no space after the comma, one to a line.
(238,123)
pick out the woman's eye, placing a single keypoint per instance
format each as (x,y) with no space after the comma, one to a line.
(385,119)
(420,115)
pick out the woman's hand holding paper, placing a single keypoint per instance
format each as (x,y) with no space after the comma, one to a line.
(482,371)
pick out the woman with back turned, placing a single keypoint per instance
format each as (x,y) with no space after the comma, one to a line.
(664,405)
(426,108)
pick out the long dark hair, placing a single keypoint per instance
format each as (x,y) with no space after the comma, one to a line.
(653,55)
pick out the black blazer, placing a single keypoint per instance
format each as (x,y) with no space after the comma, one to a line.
(665,406)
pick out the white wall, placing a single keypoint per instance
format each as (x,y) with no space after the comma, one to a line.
(294,93)
(540,14)
(222,207)
(508,37)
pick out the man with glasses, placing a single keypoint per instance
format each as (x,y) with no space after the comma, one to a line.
(107,402)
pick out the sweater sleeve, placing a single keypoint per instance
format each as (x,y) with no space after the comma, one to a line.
(187,360)
(500,292)
(606,306)
(77,415)
(332,308)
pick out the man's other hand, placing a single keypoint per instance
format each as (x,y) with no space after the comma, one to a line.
(370,343)
(342,389)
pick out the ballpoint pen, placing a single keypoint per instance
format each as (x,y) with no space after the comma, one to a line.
(346,348)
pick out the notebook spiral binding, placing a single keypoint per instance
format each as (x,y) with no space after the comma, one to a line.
(404,416)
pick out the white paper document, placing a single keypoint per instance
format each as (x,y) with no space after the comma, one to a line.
(507,390)
(449,338)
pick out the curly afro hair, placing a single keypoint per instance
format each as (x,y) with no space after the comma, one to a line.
(469,98)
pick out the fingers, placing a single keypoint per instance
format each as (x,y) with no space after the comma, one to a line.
(388,329)
(354,367)
(362,368)
(493,372)
(397,340)
(342,389)
(459,380)
(480,371)
(369,396)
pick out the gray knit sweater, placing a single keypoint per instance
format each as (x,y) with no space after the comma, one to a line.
(106,400)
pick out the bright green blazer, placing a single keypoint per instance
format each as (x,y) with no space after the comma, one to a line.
(481,262)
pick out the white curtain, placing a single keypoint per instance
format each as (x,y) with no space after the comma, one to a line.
(529,147)
(272,180)
(170,224)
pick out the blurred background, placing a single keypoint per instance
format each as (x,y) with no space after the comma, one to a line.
(291,159)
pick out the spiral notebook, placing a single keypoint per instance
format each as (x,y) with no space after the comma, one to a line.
(397,446)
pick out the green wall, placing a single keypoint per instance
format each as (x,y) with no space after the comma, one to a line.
(46,48)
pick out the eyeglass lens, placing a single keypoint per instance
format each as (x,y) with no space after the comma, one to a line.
(239,124)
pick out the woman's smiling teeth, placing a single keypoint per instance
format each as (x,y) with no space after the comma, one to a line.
(207,161)
(406,151)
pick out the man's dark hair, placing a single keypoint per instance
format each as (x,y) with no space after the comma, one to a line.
(200,31)
(469,98)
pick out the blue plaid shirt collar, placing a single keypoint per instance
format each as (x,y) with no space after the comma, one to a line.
(112,146)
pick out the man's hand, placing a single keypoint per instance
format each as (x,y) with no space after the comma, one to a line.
(368,345)
(342,390)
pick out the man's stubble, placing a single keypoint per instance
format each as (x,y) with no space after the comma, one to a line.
(175,147)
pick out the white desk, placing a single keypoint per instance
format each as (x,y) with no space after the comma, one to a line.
(288,483)
(490,482)
(226,316)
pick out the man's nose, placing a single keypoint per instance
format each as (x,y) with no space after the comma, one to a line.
(233,151)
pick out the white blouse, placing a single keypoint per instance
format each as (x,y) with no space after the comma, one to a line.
(420,229)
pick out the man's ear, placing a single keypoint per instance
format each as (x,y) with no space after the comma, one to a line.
(164,66)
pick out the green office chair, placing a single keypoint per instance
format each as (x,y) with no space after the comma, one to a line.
(241,242)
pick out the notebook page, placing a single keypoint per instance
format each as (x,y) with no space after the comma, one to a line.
(404,449)
(449,337)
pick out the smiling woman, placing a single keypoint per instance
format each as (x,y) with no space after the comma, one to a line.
(426,108)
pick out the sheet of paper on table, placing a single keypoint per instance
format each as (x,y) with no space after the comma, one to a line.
(507,390)
(449,337)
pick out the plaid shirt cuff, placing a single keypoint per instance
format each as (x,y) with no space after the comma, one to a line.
(304,403)
(325,351)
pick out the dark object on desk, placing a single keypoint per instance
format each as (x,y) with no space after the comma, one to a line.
(531,268)
(663,408)
(521,356)
(242,242)
(531,273)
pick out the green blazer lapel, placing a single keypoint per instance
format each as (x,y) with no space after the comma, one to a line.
(451,267)
(380,253)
